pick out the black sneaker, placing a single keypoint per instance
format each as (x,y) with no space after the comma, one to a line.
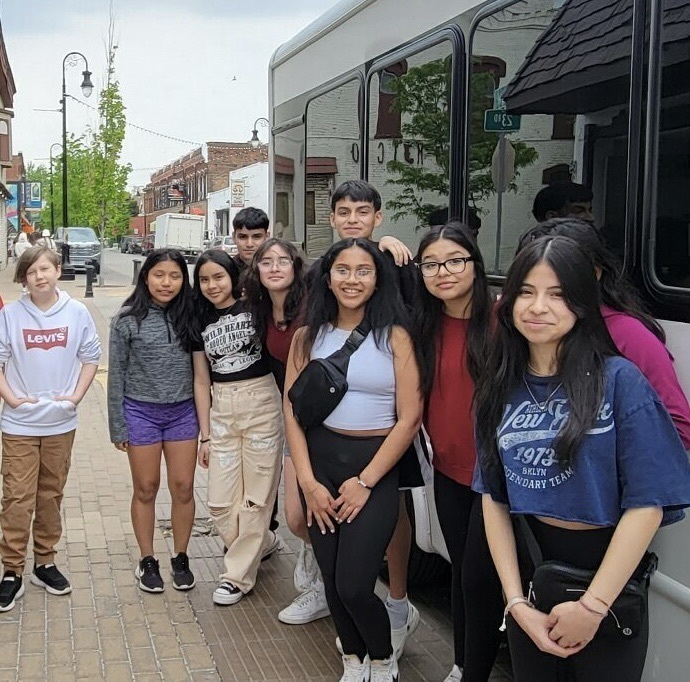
(149,575)
(183,578)
(11,588)
(49,577)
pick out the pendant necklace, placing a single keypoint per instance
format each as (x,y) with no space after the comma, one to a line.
(541,406)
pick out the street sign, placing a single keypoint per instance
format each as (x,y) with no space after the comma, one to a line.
(498,121)
(499,102)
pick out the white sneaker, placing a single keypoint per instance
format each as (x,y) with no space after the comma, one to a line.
(385,670)
(306,607)
(272,546)
(227,594)
(455,675)
(355,670)
(399,636)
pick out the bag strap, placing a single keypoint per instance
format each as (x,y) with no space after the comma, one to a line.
(527,533)
(357,337)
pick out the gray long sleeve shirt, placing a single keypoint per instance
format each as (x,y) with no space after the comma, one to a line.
(146,363)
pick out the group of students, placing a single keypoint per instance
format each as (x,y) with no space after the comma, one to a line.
(550,404)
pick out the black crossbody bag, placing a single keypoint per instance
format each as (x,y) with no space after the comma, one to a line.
(555,582)
(321,385)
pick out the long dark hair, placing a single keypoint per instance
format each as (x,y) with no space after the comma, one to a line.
(258,297)
(581,354)
(179,311)
(430,309)
(617,291)
(383,310)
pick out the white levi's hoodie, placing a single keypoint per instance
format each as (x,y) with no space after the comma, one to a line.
(43,352)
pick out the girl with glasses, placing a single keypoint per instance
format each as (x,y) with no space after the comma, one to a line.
(454,320)
(275,291)
(572,437)
(346,467)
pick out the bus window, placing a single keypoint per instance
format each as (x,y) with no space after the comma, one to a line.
(333,156)
(549,90)
(287,183)
(672,224)
(409,139)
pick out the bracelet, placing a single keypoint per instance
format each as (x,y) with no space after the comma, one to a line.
(599,599)
(591,610)
(363,484)
(511,603)
(205,440)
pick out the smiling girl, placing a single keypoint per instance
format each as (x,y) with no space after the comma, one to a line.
(572,437)
(151,407)
(346,468)
(241,428)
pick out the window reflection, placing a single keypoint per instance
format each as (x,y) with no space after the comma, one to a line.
(409,139)
(287,168)
(333,156)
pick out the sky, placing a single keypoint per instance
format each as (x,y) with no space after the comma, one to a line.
(196,70)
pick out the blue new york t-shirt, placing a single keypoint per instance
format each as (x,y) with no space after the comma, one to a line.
(631,457)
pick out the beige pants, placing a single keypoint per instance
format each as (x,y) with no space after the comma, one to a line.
(34,473)
(244,471)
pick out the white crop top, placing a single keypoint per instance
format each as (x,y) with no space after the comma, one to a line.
(369,403)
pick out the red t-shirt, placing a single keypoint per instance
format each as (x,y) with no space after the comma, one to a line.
(449,419)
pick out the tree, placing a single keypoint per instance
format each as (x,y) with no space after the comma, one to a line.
(422,97)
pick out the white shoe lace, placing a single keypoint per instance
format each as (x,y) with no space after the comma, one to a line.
(305,600)
(383,671)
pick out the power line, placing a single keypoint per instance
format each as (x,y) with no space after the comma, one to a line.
(146,130)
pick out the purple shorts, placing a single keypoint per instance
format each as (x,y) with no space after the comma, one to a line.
(149,423)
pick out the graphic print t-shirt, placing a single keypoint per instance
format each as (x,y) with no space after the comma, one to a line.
(631,457)
(233,350)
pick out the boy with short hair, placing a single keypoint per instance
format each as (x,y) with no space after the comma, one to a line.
(50,351)
(250,231)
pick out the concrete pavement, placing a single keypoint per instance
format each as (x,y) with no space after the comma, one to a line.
(108,629)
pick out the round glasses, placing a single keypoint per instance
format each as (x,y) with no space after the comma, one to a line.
(269,263)
(343,274)
(455,266)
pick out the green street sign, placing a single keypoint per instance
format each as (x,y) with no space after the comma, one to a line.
(498,121)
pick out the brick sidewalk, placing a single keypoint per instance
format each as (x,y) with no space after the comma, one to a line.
(108,629)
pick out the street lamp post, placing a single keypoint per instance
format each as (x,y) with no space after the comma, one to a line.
(52,196)
(71,59)
(255,141)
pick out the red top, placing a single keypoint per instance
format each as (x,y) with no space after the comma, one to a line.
(449,419)
(278,341)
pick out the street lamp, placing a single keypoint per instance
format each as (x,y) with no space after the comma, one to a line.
(52,199)
(255,141)
(71,59)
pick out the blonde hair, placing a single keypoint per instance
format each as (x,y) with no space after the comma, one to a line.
(29,257)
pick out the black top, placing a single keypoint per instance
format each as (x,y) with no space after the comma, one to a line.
(234,351)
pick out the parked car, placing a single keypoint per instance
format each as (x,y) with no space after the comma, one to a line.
(134,244)
(227,243)
(124,242)
(84,246)
(148,244)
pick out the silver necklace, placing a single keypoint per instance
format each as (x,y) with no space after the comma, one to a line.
(541,406)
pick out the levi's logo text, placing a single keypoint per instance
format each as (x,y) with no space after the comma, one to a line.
(525,440)
(45,339)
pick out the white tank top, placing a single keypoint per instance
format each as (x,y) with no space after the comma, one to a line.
(369,403)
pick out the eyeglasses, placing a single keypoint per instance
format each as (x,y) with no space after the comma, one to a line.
(454,266)
(268,263)
(343,274)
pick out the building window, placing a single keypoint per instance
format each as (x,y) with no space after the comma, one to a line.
(310,208)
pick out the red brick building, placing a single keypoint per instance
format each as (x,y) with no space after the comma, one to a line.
(183,185)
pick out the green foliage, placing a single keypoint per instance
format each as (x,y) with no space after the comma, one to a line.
(422,97)
(96,179)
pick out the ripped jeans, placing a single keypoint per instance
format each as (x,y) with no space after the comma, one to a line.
(244,471)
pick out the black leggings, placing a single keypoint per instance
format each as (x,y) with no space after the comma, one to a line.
(604,658)
(351,557)
(476,597)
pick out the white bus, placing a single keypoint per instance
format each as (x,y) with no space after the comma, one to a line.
(451,105)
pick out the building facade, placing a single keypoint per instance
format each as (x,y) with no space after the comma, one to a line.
(7,93)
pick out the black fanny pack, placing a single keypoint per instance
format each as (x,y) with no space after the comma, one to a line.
(555,582)
(322,384)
